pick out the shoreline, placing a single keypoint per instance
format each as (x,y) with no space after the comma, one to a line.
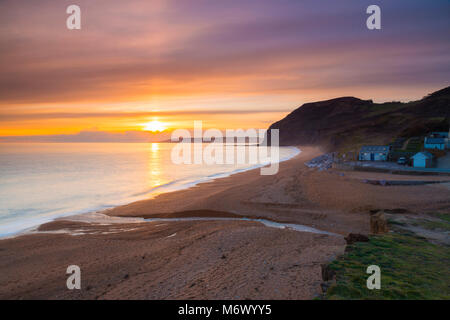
(123,211)
(211,259)
(147,196)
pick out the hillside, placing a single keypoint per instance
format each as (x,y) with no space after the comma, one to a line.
(346,123)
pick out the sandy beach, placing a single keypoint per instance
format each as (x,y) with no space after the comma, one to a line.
(220,259)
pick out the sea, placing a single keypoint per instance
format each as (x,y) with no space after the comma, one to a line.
(40,182)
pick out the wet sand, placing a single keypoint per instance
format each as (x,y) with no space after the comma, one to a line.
(210,259)
(336,201)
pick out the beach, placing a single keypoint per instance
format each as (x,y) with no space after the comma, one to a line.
(212,259)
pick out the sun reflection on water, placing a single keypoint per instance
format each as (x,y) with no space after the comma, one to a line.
(154,164)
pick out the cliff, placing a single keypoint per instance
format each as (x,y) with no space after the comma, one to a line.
(346,123)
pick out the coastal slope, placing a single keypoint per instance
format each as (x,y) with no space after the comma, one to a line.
(346,123)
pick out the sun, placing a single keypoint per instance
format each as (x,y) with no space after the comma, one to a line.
(155,126)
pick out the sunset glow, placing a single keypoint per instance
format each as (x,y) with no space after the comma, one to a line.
(192,61)
(155,126)
(224,151)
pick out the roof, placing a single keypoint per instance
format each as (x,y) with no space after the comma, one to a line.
(375,149)
(423,154)
(440,134)
(434,140)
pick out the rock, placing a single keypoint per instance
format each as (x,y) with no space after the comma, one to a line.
(378,223)
(322,163)
(327,273)
(356,237)
(326,285)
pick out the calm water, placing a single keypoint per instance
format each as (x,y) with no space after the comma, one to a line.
(42,181)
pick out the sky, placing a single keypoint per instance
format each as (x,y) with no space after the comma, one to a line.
(231,64)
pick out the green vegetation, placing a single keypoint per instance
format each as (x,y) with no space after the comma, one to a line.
(397,144)
(442,224)
(348,123)
(435,225)
(437,119)
(414,145)
(436,222)
(385,108)
(411,268)
(444,216)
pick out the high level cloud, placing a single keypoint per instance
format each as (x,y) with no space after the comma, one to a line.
(253,52)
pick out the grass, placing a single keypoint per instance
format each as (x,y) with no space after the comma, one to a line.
(414,145)
(437,119)
(444,216)
(411,268)
(435,225)
(442,224)
(385,108)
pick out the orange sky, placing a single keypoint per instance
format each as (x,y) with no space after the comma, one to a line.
(231,64)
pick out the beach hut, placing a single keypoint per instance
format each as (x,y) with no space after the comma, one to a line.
(434,143)
(444,135)
(374,153)
(422,160)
